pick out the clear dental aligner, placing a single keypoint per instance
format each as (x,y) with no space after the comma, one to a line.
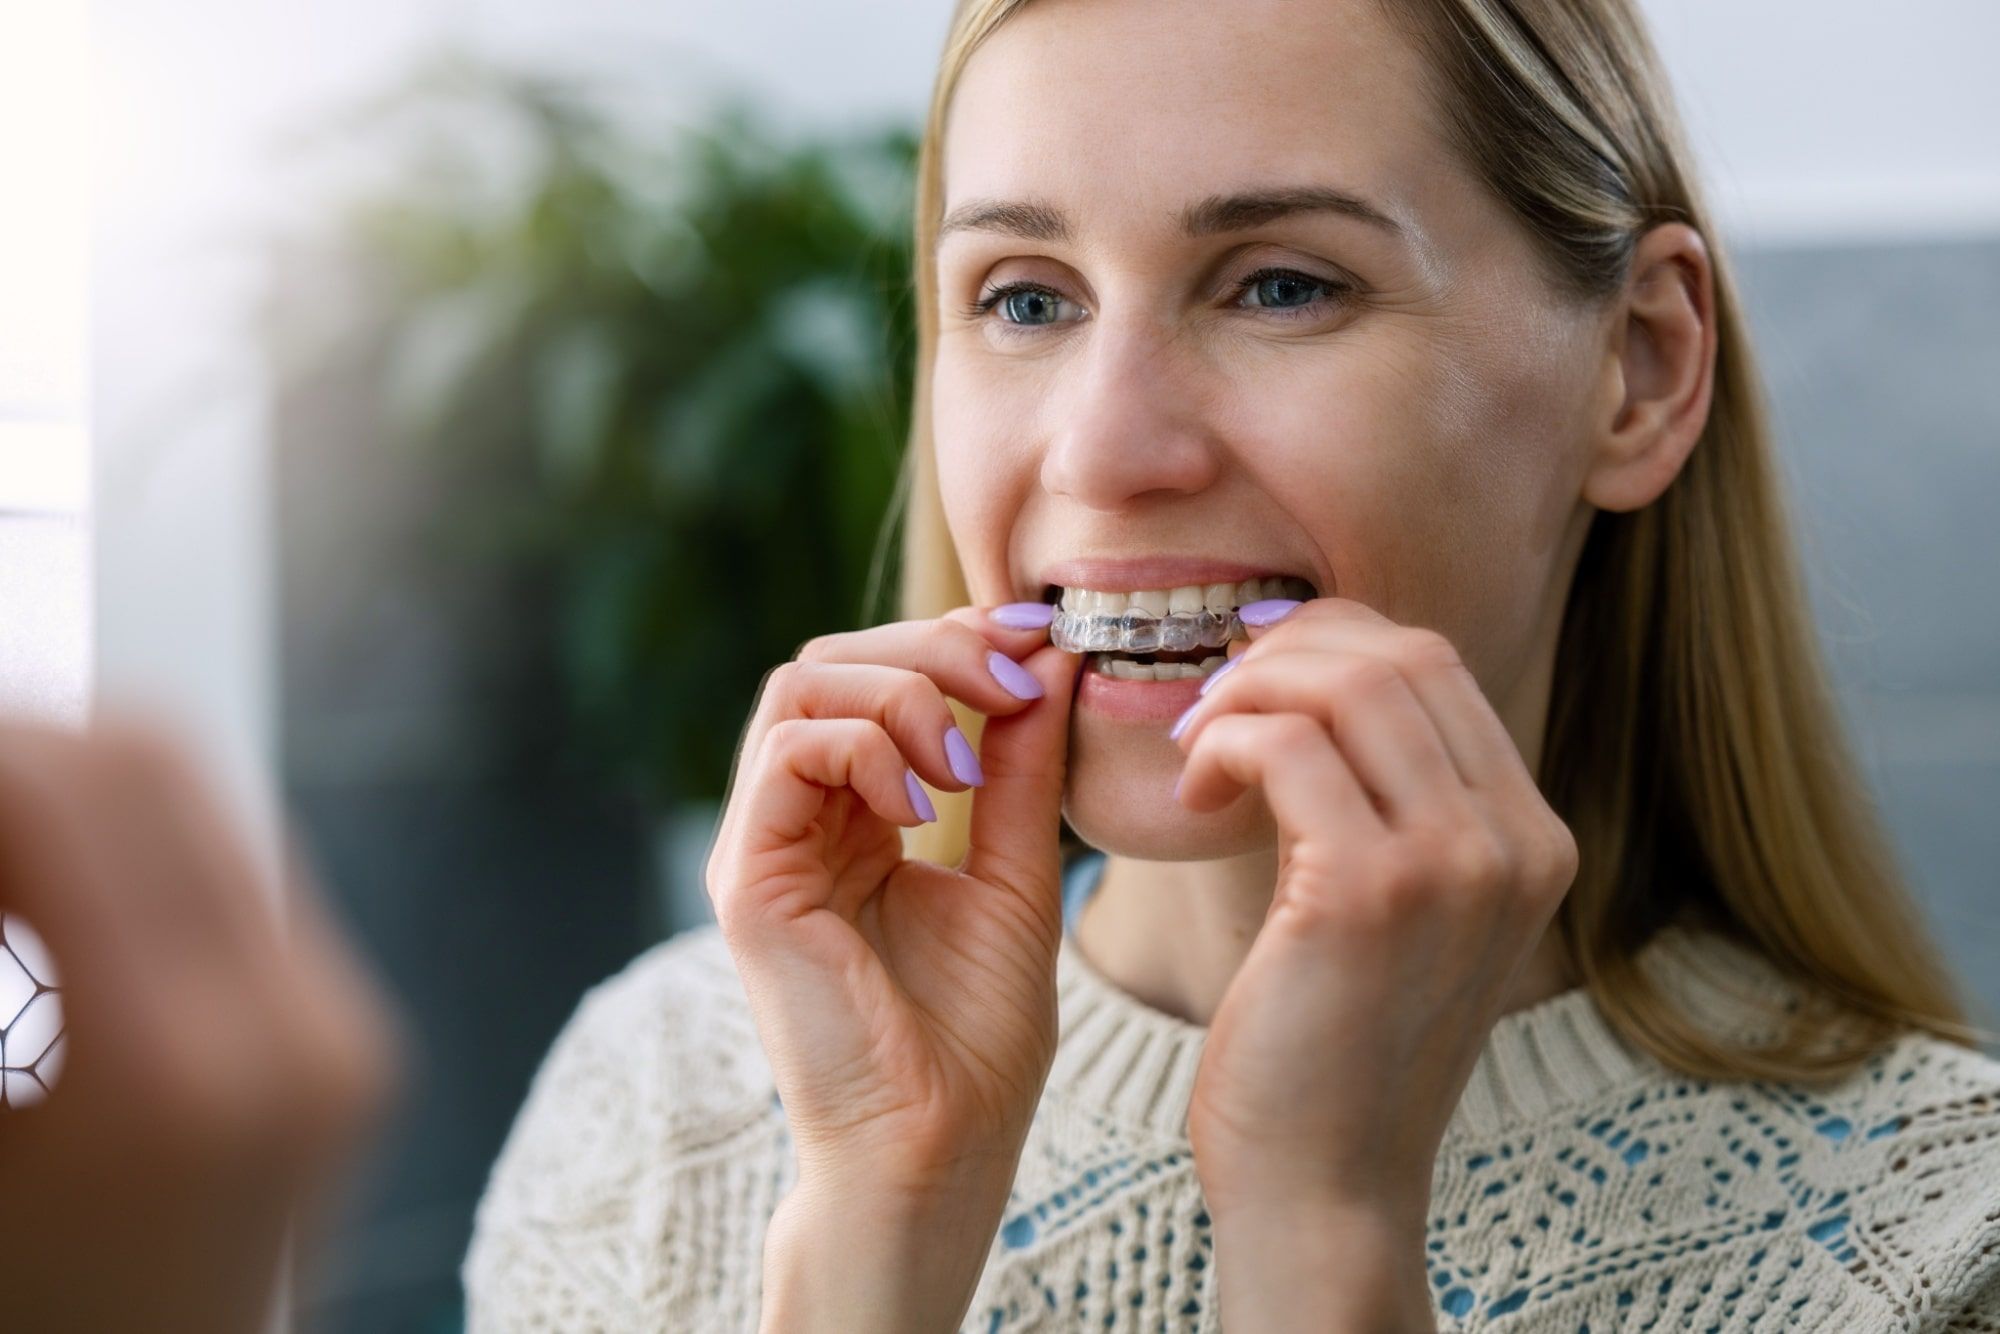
(1166,621)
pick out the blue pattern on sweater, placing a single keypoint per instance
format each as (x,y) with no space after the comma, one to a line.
(1079,882)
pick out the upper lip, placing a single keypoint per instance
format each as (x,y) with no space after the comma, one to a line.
(1132,574)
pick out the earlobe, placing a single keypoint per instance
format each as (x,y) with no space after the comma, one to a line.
(1661,354)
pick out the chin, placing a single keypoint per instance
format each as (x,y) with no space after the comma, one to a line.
(1119,798)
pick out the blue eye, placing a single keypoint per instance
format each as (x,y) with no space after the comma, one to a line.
(1265,281)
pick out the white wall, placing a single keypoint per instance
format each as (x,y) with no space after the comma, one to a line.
(1835,120)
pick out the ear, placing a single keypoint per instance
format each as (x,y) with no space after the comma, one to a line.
(1659,370)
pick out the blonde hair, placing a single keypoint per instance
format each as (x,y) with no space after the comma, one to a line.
(1693,744)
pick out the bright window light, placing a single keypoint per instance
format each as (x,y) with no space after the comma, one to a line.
(44,257)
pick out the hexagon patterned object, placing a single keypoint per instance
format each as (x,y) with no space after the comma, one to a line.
(31,1026)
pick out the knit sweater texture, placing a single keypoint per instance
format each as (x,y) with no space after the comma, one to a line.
(1581,1186)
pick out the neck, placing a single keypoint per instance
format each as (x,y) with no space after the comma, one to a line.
(1173,934)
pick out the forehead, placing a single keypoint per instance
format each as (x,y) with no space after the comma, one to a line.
(1127,109)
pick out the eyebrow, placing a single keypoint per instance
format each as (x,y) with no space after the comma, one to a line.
(1035,220)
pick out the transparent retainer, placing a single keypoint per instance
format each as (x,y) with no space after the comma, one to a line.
(1136,631)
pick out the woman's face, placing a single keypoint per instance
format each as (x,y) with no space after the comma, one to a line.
(1398,413)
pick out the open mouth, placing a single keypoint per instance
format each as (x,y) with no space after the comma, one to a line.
(1161,634)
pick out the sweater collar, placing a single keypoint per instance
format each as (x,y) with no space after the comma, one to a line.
(1135,1065)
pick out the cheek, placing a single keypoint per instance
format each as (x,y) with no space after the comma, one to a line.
(1432,474)
(978,435)
(1493,490)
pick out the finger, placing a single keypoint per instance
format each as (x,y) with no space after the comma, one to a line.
(790,807)
(1484,751)
(1014,830)
(1368,708)
(51,866)
(969,662)
(1259,617)
(915,643)
(908,705)
(188,857)
(1015,628)
(1305,780)
(804,757)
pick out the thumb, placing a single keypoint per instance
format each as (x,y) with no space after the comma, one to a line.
(1259,617)
(1013,840)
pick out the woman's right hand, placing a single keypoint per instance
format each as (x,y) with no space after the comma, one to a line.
(907,1009)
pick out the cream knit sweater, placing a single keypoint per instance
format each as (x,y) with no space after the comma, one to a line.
(1580,1187)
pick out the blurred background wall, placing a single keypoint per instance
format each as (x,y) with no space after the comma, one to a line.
(386,440)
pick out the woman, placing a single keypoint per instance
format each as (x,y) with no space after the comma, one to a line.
(1504,941)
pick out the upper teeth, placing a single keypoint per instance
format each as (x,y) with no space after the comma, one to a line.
(1218,598)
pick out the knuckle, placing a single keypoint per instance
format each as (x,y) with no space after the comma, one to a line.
(782,676)
(962,640)
(817,649)
(782,685)
(917,709)
(1403,874)
(785,734)
(1427,649)
(1292,732)
(1559,858)
(1358,677)
(1476,858)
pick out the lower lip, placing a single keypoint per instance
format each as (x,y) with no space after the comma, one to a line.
(1136,701)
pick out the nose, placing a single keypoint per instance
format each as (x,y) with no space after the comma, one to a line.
(1129,424)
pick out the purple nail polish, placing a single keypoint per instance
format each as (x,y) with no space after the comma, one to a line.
(1018,680)
(1180,723)
(964,762)
(1024,615)
(1266,611)
(1218,673)
(918,797)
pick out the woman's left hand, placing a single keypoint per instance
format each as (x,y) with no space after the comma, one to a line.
(1418,866)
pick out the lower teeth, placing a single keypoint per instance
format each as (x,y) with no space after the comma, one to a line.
(1125,669)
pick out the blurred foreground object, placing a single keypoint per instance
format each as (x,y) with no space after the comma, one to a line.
(217,1070)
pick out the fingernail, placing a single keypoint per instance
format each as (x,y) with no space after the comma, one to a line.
(1266,611)
(1016,679)
(964,762)
(918,797)
(1217,674)
(1180,723)
(1024,615)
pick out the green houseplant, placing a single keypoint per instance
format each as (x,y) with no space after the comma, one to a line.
(676,365)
